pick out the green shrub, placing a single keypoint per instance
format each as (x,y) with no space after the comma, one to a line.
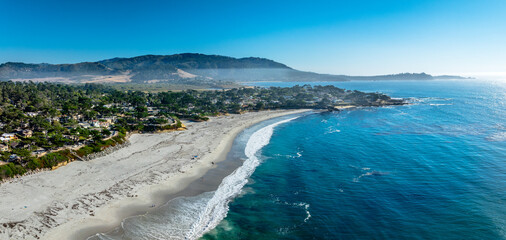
(84,151)
(34,164)
(6,171)
(52,159)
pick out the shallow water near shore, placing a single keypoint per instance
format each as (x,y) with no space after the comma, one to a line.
(431,170)
(184,213)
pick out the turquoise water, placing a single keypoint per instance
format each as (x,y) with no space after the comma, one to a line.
(435,169)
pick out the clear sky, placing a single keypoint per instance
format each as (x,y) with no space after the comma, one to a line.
(358,37)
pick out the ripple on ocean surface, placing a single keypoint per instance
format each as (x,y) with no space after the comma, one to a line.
(191,217)
(434,170)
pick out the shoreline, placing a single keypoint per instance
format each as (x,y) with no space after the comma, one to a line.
(60,210)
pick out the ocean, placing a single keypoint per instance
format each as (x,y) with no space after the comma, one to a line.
(434,169)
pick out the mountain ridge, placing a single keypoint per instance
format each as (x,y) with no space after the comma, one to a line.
(179,68)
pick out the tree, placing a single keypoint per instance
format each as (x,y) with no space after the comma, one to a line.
(106,132)
(259,106)
(141,112)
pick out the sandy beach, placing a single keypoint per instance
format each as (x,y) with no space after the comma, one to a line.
(77,200)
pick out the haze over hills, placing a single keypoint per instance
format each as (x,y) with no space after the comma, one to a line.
(187,68)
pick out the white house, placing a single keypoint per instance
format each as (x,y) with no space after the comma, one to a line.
(8,137)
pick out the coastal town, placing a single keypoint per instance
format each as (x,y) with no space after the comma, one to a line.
(44,125)
(238,120)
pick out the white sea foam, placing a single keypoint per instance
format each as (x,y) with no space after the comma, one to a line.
(217,208)
(192,217)
(440,104)
(301,205)
(297,155)
(308,214)
(332,130)
(372,173)
(433,101)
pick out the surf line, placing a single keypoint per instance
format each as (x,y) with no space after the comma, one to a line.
(217,208)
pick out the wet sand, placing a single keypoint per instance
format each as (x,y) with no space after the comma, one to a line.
(83,198)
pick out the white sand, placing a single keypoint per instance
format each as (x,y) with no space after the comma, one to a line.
(63,203)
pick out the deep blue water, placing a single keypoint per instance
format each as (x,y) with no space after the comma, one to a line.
(435,169)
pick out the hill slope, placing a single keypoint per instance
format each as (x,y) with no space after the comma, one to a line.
(187,68)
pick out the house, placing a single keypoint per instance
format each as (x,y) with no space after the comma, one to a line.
(84,125)
(153,111)
(53,119)
(72,137)
(95,123)
(104,124)
(32,114)
(14,144)
(14,158)
(4,148)
(27,133)
(169,120)
(128,109)
(108,119)
(39,152)
(77,117)
(8,137)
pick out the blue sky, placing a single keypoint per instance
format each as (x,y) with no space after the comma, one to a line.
(362,37)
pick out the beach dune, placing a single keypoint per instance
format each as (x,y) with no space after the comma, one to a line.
(77,200)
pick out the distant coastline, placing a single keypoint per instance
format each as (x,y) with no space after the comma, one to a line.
(182,71)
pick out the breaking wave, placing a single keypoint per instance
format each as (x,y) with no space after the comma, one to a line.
(192,217)
(217,208)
